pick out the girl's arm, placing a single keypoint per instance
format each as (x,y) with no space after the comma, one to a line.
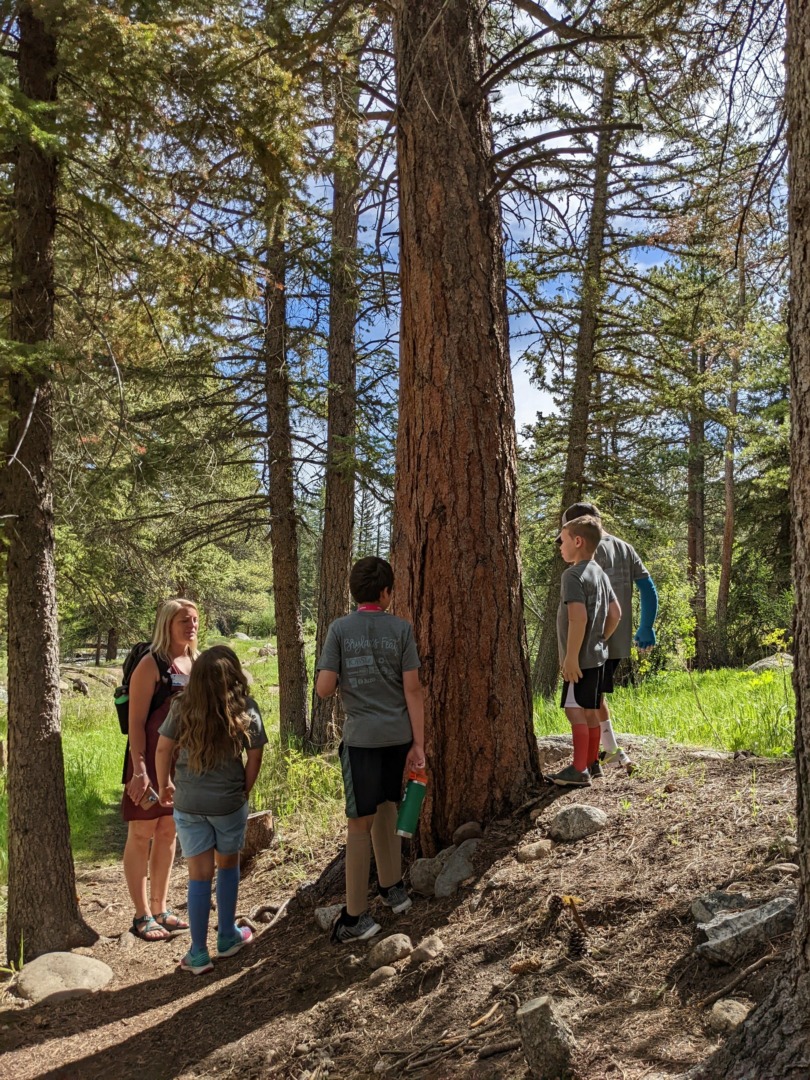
(142,685)
(163,767)
(254,763)
(415,701)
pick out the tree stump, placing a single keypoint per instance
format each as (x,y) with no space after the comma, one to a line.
(258,834)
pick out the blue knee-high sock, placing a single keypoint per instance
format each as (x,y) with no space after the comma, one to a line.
(199,910)
(227,892)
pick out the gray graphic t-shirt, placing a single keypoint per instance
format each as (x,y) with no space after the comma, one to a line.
(622,565)
(369,650)
(585,583)
(220,790)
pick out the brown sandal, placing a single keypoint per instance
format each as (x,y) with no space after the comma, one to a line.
(146,925)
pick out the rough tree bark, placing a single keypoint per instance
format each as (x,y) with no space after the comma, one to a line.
(338,533)
(455,538)
(112,644)
(546,665)
(292,667)
(696,514)
(775,1039)
(43,912)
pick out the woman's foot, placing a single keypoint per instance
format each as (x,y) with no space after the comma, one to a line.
(147,928)
(169,921)
(196,963)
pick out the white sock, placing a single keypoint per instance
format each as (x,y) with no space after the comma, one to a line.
(608,738)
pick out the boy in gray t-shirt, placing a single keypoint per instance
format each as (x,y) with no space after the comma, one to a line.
(371,657)
(587,616)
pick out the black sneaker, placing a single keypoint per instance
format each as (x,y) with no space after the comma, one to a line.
(571,777)
(362,930)
(596,771)
(397,899)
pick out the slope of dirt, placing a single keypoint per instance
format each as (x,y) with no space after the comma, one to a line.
(293,1005)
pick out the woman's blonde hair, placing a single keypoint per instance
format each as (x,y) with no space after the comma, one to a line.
(162,637)
(212,710)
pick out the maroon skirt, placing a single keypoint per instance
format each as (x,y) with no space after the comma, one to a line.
(130,811)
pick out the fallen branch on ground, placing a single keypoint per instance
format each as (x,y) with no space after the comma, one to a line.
(735,982)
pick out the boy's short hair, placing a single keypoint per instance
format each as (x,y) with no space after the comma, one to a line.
(578,510)
(588,527)
(369,577)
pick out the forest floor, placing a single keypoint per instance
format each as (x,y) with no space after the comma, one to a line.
(294,1005)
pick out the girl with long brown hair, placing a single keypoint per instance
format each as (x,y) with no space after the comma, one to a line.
(208,730)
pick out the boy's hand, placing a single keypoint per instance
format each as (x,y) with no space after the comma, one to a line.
(571,671)
(166,795)
(416,757)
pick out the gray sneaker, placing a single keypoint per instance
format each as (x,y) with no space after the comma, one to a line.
(363,929)
(397,899)
(595,769)
(571,777)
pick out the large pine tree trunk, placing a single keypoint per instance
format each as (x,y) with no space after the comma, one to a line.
(546,665)
(292,667)
(43,913)
(455,540)
(775,1039)
(336,552)
(696,516)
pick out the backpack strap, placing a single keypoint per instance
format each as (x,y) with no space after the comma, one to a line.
(164,687)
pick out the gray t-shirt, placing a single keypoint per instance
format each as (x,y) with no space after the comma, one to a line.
(622,565)
(220,790)
(585,583)
(369,650)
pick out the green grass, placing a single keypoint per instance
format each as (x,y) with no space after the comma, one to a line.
(725,709)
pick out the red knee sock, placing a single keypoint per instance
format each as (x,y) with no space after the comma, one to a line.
(580,736)
(594,737)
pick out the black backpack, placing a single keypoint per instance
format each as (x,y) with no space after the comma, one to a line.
(121,693)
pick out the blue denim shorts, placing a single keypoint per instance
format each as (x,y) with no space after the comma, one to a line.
(201,832)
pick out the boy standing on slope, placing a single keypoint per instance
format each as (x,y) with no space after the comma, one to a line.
(621,563)
(372,656)
(587,616)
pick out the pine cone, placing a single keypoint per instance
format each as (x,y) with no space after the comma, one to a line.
(555,907)
(577,944)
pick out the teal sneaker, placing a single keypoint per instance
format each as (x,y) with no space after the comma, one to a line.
(196,963)
(229,946)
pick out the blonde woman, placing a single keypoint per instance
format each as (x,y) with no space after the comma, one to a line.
(151,837)
(209,729)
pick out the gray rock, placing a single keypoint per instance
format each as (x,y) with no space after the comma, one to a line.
(58,976)
(127,940)
(267,650)
(428,949)
(423,875)
(553,748)
(576,822)
(540,849)
(727,1014)
(710,755)
(381,975)
(471,830)
(457,869)
(325,916)
(786,847)
(241,637)
(389,950)
(446,853)
(546,1038)
(729,937)
(780,661)
(705,908)
(785,868)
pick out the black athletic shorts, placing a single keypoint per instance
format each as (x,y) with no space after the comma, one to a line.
(610,669)
(585,694)
(371,775)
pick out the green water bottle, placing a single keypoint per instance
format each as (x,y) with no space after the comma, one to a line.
(410,806)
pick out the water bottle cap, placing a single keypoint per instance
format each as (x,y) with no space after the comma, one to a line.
(419,775)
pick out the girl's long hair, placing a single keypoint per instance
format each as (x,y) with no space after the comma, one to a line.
(162,637)
(213,717)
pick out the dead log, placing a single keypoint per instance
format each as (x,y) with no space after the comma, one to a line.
(258,834)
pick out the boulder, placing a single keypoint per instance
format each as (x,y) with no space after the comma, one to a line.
(389,950)
(778,662)
(705,908)
(540,849)
(428,949)
(576,822)
(457,869)
(80,686)
(731,936)
(382,974)
(469,831)
(727,1014)
(423,874)
(61,975)
(241,637)
(547,1040)
(445,854)
(267,650)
